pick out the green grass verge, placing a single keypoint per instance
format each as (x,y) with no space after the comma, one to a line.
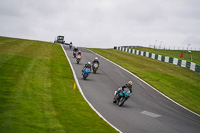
(175,53)
(36,91)
(180,84)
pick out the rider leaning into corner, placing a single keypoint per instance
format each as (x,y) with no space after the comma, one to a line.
(95,61)
(128,85)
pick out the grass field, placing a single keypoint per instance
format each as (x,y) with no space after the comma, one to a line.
(36,91)
(175,53)
(180,84)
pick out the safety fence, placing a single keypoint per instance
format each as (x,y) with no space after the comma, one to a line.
(183,63)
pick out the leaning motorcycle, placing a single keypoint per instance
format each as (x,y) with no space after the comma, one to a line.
(121,97)
(95,67)
(85,73)
(78,59)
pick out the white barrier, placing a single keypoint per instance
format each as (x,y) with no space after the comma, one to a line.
(159,57)
(175,61)
(166,59)
(153,56)
(147,54)
(192,66)
(183,63)
(142,53)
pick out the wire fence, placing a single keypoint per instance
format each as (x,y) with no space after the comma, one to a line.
(166,47)
(174,48)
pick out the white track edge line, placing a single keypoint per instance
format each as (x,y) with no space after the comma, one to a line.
(147,84)
(79,87)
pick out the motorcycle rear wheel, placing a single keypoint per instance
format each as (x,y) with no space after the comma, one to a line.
(122,102)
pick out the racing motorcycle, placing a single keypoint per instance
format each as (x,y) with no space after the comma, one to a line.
(95,67)
(78,59)
(85,73)
(122,96)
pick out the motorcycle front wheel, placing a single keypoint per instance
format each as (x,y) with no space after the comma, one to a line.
(84,78)
(114,100)
(94,71)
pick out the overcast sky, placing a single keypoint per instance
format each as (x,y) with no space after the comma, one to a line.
(104,23)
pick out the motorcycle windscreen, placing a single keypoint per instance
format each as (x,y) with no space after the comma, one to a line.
(127,90)
(95,65)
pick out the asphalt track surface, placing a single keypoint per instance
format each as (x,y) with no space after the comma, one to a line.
(146,111)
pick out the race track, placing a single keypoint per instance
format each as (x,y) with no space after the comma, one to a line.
(147,111)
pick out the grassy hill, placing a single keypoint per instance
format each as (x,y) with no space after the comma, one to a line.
(175,53)
(36,91)
(180,84)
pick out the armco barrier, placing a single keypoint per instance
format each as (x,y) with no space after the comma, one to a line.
(182,63)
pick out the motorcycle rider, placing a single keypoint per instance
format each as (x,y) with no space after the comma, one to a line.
(70,45)
(95,61)
(79,53)
(87,65)
(75,49)
(128,85)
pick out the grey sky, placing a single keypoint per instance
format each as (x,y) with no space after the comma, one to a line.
(104,23)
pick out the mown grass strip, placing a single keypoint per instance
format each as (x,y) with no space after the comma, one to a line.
(36,91)
(180,84)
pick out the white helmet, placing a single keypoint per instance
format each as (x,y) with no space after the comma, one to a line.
(96,58)
(89,63)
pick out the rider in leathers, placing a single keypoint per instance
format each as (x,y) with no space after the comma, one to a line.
(128,85)
(79,53)
(75,49)
(95,61)
(87,65)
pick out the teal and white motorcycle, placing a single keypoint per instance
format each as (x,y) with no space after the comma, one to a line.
(122,96)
